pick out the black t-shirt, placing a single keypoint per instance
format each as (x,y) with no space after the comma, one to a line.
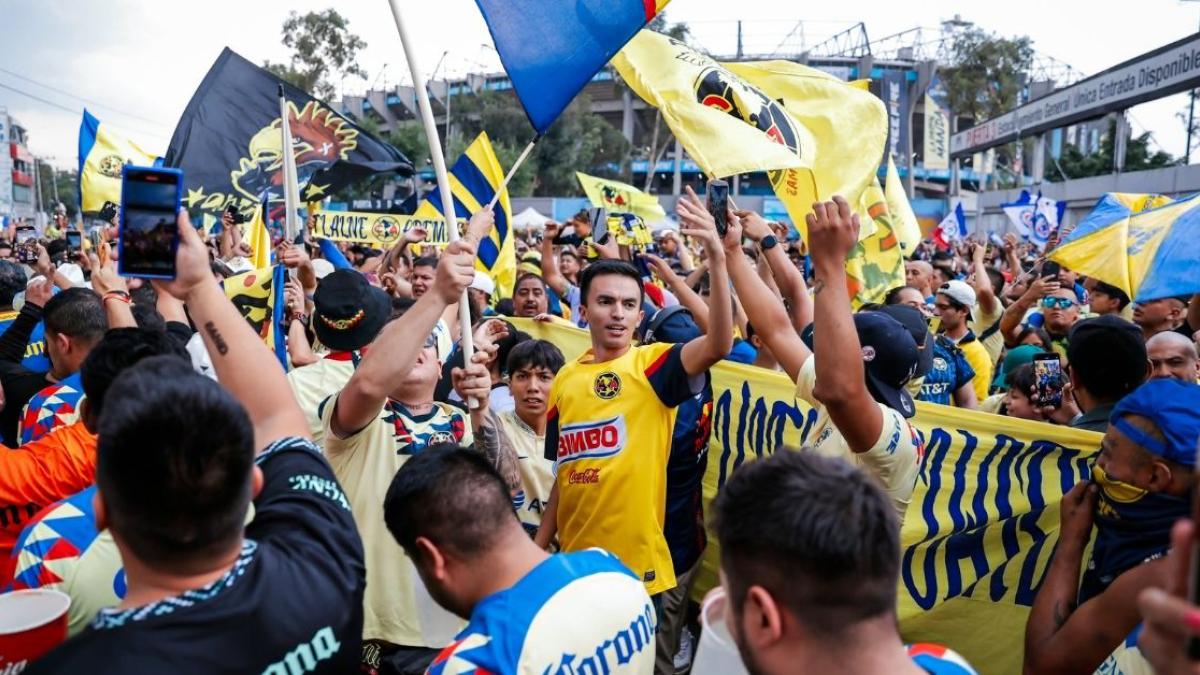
(292,603)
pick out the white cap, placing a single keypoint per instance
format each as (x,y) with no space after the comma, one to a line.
(322,267)
(959,291)
(73,273)
(483,282)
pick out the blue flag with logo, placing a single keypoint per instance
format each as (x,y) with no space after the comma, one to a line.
(551,50)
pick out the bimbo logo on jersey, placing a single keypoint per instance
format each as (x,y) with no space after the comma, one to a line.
(590,440)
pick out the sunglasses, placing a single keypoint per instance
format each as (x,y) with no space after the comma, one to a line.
(1057,303)
(431,341)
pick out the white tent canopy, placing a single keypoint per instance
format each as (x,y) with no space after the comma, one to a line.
(530,218)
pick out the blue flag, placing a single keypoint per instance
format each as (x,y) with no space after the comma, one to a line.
(551,50)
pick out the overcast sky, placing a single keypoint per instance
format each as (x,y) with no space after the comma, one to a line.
(135,63)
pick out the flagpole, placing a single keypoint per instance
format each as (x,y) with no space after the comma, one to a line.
(291,189)
(513,171)
(443,179)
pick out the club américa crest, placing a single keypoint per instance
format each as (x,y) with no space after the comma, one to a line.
(607,385)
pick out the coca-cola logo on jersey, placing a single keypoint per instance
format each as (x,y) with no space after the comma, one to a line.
(585,477)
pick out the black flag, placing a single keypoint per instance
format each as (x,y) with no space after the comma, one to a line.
(228,141)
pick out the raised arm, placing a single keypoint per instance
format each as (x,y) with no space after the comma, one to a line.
(114,293)
(550,272)
(244,365)
(984,291)
(1010,322)
(764,310)
(841,384)
(701,353)
(396,348)
(684,293)
(789,279)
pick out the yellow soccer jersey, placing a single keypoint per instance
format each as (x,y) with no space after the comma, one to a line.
(609,432)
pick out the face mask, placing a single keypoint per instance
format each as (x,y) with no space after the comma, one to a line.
(1133,525)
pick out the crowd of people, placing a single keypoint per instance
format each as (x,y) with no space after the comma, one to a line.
(383,504)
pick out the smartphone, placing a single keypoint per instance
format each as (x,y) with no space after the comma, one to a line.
(26,245)
(233,212)
(1047,380)
(108,212)
(599,226)
(74,241)
(148,237)
(1051,269)
(643,267)
(718,204)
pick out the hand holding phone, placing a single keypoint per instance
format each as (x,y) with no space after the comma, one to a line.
(1047,381)
(148,235)
(718,204)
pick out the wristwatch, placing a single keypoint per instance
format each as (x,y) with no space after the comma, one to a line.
(768,242)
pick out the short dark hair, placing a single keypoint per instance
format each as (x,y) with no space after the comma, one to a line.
(523,277)
(608,268)
(815,532)
(504,346)
(997,278)
(535,354)
(1107,356)
(76,312)
(1047,341)
(892,297)
(175,504)
(416,504)
(147,316)
(12,281)
(425,261)
(119,350)
(1112,292)
(400,305)
(1021,379)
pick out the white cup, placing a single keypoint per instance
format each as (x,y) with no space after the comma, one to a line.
(717,654)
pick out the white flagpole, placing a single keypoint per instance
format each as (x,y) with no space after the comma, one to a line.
(439,168)
(513,171)
(291,189)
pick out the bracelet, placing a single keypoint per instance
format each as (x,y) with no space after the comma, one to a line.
(123,296)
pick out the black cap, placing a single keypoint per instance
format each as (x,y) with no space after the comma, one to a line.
(912,319)
(890,356)
(672,324)
(1108,348)
(349,312)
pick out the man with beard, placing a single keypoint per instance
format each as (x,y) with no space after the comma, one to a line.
(810,560)
(1141,485)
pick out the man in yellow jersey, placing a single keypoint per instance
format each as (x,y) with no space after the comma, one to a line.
(856,375)
(612,412)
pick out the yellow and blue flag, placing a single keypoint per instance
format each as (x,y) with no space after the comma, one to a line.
(258,296)
(474,179)
(904,221)
(876,264)
(618,197)
(258,237)
(551,50)
(1143,244)
(102,153)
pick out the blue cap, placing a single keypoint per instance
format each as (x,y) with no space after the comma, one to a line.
(1174,408)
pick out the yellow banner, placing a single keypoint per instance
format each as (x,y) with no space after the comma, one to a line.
(983,519)
(378,230)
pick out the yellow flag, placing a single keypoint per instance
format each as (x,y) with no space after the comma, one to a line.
(474,179)
(259,239)
(876,264)
(904,221)
(618,197)
(102,153)
(848,125)
(726,124)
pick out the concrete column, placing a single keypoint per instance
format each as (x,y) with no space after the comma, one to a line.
(627,114)
(677,181)
(1037,170)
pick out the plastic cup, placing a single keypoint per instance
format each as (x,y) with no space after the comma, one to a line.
(32,622)
(716,654)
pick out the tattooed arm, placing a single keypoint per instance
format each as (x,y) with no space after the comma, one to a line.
(1061,637)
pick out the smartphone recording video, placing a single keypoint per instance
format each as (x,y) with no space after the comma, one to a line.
(26,247)
(74,241)
(1047,380)
(148,236)
(718,204)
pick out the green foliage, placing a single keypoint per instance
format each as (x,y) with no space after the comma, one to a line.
(680,31)
(1138,157)
(986,73)
(322,46)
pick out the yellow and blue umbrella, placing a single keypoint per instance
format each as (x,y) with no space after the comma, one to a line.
(1146,245)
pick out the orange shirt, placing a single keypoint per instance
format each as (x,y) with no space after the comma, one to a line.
(40,473)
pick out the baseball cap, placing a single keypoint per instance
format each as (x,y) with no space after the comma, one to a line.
(1015,358)
(482,282)
(672,324)
(890,357)
(1110,349)
(911,318)
(960,292)
(349,312)
(1174,408)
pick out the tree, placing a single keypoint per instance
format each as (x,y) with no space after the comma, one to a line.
(680,31)
(322,46)
(1138,157)
(58,186)
(986,74)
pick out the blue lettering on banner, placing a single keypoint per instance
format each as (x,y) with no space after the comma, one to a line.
(932,569)
(751,430)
